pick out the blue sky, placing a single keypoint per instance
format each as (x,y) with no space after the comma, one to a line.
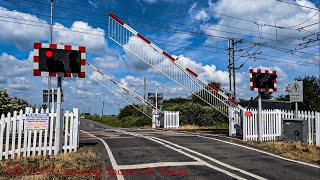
(199,24)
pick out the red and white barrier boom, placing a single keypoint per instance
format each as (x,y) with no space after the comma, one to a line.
(171,67)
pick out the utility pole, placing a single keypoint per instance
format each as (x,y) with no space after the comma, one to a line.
(49,78)
(59,119)
(232,66)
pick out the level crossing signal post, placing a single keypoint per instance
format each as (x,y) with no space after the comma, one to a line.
(55,60)
(262,80)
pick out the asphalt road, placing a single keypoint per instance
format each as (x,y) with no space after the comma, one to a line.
(169,154)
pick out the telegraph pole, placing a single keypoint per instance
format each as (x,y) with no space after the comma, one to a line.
(232,66)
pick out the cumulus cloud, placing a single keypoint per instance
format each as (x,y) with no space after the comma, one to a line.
(19,33)
(81,33)
(109,62)
(22,35)
(197,14)
(262,12)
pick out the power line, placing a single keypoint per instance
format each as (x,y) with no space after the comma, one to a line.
(168,22)
(167,27)
(298,5)
(53,28)
(103,35)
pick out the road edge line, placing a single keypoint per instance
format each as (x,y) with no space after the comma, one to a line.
(111,157)
(261,151)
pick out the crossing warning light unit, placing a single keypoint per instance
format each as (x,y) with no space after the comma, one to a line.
(59,60)
(263,80)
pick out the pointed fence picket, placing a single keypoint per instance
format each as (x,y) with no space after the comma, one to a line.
(15,140)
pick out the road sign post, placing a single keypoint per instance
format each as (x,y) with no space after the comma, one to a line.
(56,60)
(259,124)
(296,94)
(262,80)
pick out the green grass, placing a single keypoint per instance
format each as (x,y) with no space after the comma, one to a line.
(113,121)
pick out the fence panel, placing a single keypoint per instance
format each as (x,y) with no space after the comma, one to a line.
(272,124)
(15,139)
(171,120)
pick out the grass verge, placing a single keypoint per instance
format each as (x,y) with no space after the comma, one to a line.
(83,164)
(291,150)
(113,120)
(188,126)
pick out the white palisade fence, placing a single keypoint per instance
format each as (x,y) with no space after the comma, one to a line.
(171,119)
(16,141)
(272,124)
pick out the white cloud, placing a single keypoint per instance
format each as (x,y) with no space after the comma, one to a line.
(23,36)
(198,14)
(81,33)
(18,33)
(262,12)
(202,15)
(109,62)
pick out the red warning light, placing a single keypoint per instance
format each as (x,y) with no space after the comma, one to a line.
(49,54)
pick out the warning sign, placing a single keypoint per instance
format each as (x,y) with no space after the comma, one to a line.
(296,91)
(35,121)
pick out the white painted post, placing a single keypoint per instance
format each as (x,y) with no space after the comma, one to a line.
(309,126)
(178,119)
(153,120)
(52,119)
(66,132)
(46,136)
(317,125)
(2,123)
(76,128)
(59,123)
(72,134)
(259,118)
(7,135)
(20,130)
(13,141)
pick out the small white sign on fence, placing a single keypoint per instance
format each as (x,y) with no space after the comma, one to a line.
(35,121)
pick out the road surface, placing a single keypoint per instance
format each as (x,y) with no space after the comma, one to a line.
(164,154)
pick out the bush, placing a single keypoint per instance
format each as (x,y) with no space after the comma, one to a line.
(196,114)
(10,104)
(129,111)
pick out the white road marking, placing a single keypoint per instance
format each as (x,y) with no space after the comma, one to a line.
(261,151)
(91,125)
(163,164)
(111,157)
(264,152)
(187,154)
(212,159)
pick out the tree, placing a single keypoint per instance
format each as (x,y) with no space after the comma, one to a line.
(283,98)
(265,95)
(10,104)
(311,93)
